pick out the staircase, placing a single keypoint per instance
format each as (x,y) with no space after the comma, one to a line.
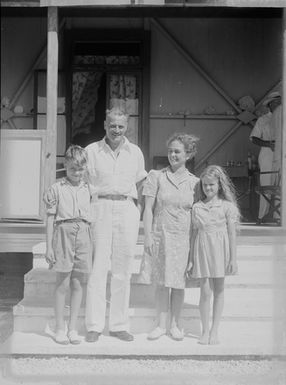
(253,322)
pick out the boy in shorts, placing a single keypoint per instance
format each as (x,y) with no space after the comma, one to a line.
(68,239)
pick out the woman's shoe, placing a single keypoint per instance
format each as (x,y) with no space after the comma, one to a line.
(156,333)
(61,338)
(176,334)
(74,337)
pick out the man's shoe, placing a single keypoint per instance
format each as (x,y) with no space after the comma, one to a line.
(92,336)
(122,335)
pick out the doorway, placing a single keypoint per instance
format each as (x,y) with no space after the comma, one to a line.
(106,72)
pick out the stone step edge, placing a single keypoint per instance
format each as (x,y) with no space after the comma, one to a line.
(39,249)
(38,346)
(142,312)
(34,277)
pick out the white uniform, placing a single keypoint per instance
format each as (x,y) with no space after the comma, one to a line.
(114,229)
(276,126)
(263,130)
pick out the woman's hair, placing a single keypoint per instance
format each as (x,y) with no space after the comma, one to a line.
(77,155)
(189,142)
(226,189)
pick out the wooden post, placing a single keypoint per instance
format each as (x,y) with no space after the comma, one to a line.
(283,166)
(52,96)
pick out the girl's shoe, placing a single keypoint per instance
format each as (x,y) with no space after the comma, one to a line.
(61,338)
(176,334)
(74,337)
(156,333)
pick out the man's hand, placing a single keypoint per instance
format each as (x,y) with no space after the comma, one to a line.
(232,267)
(50,258)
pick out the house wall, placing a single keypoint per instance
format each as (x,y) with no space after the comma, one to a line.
(243,56)
(22,39)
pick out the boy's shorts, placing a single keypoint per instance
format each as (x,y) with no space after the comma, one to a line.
(72,247)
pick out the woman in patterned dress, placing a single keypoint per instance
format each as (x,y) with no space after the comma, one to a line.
(169,196)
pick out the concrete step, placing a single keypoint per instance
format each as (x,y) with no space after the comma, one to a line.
(252,273)
(236,339)
(240,305)
(247,247)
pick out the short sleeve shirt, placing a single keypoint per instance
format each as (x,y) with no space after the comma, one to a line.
(115,173)
(262,128)
(67,201)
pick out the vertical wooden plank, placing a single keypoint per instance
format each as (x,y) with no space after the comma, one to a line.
(283,168)
(145,105)
(52,96)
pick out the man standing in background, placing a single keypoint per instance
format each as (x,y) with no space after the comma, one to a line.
(265,135)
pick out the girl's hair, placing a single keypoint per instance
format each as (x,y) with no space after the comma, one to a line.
(226,188)
(116,111)
(77,155)
(189,142)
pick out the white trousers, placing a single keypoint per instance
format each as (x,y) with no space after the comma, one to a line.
(115,233)
(265,160)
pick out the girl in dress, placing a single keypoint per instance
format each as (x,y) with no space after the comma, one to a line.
(213,245)
(169,196)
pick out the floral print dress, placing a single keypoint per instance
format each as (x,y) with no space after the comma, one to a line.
(171,225)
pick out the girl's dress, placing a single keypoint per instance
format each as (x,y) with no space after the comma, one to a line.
(171,226)
(210,249)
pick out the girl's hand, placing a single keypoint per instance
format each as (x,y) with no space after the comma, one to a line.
(232,267)
(50,258)
(149,245)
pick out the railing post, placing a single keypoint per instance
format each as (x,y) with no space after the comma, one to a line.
(52,96)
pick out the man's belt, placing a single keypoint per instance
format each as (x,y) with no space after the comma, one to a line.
(113,197)
(72,220)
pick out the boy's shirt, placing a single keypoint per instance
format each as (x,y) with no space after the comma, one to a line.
(67,201)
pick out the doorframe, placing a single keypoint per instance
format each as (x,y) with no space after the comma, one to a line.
(114,35)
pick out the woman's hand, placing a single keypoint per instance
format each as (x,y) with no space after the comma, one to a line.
(50,257)
(189,269)
(149,244)
(232,267)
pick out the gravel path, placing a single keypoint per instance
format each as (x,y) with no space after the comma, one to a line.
(68,371)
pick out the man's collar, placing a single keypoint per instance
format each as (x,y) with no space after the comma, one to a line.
(103,144)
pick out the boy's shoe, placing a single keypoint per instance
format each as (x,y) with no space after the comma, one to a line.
(92,336)
(176,334)
(156,333)
(61,338)
(74,337)
(123,335)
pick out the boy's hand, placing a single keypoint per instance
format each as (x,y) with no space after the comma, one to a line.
(232,267)
(50,258)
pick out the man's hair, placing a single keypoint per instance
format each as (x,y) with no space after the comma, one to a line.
(76,154)
(118,112)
